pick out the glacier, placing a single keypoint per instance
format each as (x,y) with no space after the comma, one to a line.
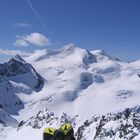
(99,94)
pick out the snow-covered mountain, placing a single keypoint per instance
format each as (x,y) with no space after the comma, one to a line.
(91,89)
(16,77)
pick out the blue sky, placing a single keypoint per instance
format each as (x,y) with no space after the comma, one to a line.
(110,25)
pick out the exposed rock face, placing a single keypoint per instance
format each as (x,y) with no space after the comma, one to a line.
(46,118)
(86,79)
(121,125)
(9,101)
(89,58)
(16,69)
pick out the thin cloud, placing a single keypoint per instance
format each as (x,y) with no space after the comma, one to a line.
(22,24)
(14,52)
(36,39)
(21,42)
(36,13)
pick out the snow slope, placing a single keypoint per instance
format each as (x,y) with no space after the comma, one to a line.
(77,82)
(76,76)
(16,79)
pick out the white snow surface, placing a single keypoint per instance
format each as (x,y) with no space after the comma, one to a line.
(78,82)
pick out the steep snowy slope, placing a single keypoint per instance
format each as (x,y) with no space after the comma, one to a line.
(84,85)
(18,70)
(79,78)
(9,101)
(16,79)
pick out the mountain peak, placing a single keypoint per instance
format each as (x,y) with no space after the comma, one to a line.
(19,58)
(16,59)
(69,48)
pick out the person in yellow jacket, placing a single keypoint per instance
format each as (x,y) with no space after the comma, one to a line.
(65,132)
